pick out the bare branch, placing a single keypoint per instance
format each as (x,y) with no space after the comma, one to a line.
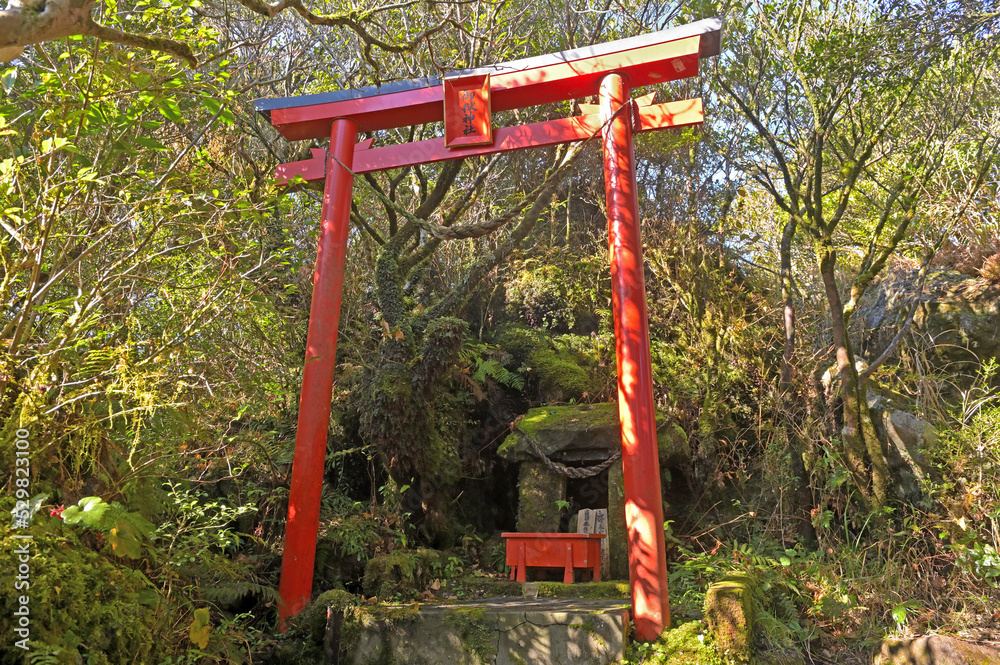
(353,20)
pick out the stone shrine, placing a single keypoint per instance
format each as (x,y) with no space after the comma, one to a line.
(576,437)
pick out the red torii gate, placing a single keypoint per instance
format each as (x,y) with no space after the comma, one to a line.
(464,101)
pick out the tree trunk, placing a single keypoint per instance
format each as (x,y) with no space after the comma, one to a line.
(861,446)
(802,500)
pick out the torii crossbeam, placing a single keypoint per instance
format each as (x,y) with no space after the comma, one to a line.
(464,100)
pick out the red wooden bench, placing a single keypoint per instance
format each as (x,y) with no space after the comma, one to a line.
(553,550)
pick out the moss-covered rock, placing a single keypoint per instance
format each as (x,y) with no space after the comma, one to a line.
(478,636)
(585,433)
(560,376)
(560,373)
(960,314)
(313,618)
(729,612)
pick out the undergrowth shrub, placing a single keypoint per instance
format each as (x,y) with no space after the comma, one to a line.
(968,456)
(84,607)
(558,292)
(403,572)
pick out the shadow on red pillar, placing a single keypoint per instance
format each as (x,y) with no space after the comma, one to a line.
(299,554)
(640,459)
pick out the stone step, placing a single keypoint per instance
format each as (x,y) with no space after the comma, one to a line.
(499,631)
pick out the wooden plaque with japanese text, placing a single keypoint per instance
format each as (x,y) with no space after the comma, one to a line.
(467,111)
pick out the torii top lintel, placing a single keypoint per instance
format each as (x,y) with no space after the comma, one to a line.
(651,58)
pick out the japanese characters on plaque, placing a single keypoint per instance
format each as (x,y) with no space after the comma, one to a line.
(467,111)
(469,108)
(596,521)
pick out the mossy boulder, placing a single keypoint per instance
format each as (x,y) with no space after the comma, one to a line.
(585,433)
(960,314)
(560,376)
(936,650)
(963,321)
(560,373)
(729,612)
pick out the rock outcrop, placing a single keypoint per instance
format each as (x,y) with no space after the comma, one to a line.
(936,650)
(958,317)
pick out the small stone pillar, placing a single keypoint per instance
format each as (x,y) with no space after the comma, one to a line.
(539,490)
(729,614)
(617,537)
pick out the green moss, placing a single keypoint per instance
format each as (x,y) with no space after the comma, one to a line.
(579,417)
(560,377)
(594,590)
(687,644)
(553,426)
(478,638)
(385,614)
(575,426)
(671,439)
(312,620)
(83,606)
(375,620)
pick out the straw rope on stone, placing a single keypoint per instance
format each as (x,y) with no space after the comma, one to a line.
(568,471)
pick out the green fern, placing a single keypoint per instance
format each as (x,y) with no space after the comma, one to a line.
(229,593)
(494,370)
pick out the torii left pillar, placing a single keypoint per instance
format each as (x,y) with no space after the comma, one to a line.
(299,557)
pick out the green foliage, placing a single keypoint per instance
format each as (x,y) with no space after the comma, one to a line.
(968,456)
(555,291)
(404,409)
(351,534)
(491,362)
(82,604)
(403,573)
(712,355)
(125,531)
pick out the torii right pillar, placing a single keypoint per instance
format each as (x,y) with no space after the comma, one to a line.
(647,560)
